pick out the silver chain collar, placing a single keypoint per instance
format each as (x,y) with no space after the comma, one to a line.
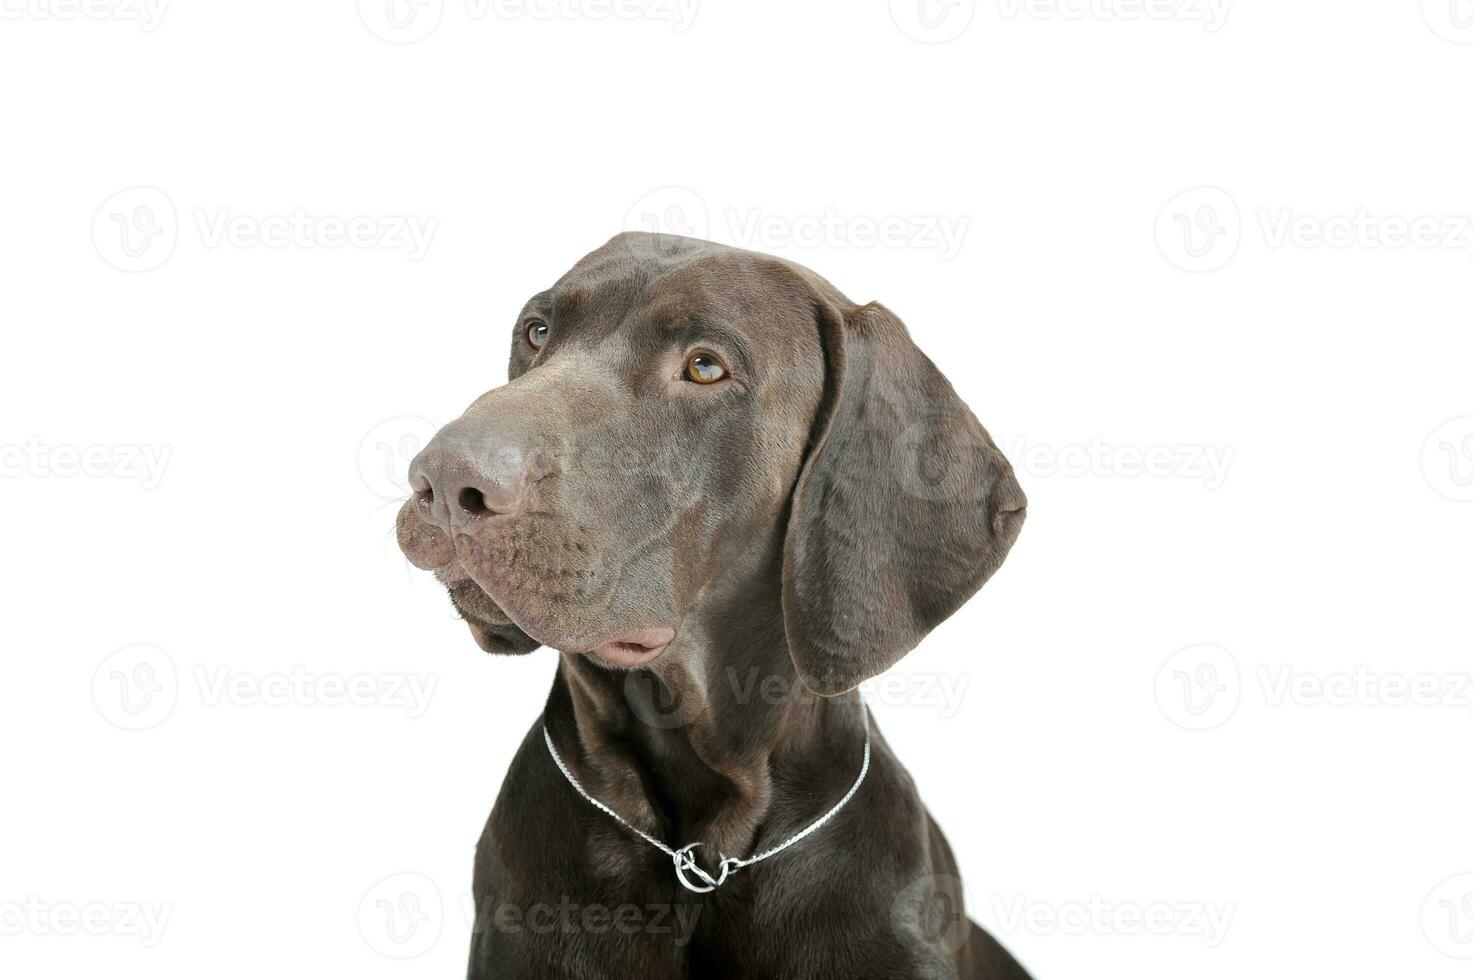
(684,859)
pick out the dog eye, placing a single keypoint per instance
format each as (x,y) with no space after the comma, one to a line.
(704,369)
(537,333)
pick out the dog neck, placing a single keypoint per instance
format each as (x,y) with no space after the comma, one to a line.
(716,741)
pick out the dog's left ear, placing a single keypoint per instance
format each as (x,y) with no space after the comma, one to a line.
(904,507)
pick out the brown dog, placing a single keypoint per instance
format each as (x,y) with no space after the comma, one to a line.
(728,495)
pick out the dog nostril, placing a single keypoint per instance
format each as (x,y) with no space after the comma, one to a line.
(473,502)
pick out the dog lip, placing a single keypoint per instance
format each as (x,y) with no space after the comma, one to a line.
(479,616)
(474,605)
(636,648)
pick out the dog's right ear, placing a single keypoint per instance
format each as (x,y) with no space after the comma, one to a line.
(904,506)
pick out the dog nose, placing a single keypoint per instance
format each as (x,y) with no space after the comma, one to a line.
(456,490)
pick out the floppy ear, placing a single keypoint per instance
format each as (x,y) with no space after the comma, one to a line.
(903,509)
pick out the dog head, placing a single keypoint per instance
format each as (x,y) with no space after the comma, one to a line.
(680,416)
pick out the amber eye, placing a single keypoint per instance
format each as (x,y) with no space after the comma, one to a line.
(537,332)
(704,369)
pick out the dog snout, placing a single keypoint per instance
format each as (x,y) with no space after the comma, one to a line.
(455,488)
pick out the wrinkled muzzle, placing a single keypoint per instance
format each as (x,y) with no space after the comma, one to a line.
(520,500)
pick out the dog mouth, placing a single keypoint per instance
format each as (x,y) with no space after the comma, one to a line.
(475,572)
(492,628)
(634,649)
(478,608)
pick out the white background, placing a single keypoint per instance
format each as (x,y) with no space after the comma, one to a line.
(1232,242)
